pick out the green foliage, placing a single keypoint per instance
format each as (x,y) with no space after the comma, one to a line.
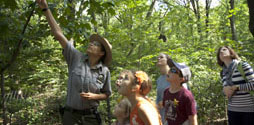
(38,108)
(12,4)
(41,70)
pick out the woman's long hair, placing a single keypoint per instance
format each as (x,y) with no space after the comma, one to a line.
(233,55)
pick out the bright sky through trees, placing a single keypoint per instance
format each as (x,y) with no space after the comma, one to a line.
(160,5)
(214,3)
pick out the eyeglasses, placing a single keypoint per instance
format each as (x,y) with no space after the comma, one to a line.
(159,57)
(95,43)
(173,70)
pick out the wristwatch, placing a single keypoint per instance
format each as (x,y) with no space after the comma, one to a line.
(45,9)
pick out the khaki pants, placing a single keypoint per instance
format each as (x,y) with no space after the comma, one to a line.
(70,118)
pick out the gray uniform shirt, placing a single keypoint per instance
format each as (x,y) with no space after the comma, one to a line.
(82,78)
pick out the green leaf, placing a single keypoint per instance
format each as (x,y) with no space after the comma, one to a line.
(9,4)
(94,22)
(112,11)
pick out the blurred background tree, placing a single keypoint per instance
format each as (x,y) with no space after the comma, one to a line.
(190,31)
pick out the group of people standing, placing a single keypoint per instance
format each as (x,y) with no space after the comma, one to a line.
(90,81)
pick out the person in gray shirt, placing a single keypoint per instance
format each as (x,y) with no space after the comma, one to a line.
(89,77)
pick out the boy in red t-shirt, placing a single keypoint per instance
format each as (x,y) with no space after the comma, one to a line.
(179,102)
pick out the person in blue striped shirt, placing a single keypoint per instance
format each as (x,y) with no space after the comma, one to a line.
(236,88)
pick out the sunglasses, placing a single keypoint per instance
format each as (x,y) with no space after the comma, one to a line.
(160,57)
(173,70)
(95,43)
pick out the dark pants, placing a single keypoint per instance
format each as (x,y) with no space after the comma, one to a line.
(240,118)
(76,118)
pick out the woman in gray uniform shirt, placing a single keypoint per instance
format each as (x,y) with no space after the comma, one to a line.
(89,76)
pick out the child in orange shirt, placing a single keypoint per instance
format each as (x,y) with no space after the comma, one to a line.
(135,85)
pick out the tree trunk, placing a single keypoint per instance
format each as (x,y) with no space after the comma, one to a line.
(195,6)
(232,21)
(251,14)
(71,18)
(149,13)
(12,60)
(207,8)
(161,24)
(16,51)
(94,18)
(162,36)
(3,99)
(130,26)
(105,23)
(198,17)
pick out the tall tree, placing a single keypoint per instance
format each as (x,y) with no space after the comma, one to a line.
(149,12)
(11,61)
(232,20)
(196,10)
(207,8)
(251,14)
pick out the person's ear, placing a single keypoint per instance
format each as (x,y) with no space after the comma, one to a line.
(135,88)
(181,79)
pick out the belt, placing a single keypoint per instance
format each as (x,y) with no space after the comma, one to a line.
(81,112)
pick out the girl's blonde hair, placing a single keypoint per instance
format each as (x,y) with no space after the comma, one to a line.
(141,78)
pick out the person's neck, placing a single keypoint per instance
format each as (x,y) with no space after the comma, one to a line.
(174,88)
(93,61)
(134,99)
(227,61)
(164,69)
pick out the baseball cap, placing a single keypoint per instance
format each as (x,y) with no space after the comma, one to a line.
(185,70)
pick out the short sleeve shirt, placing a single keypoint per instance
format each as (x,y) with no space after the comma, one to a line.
(82,78)
(178,106)
(162,84)
(134,118)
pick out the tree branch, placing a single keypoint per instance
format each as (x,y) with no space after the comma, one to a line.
(149,13)
(16,51)
(251,15)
